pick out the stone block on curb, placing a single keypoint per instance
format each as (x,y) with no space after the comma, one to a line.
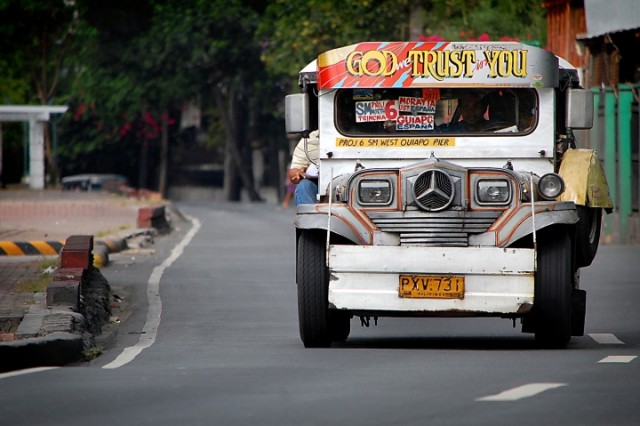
(65,274)
(153,217)
(79,242)
(77,252)
(64,293)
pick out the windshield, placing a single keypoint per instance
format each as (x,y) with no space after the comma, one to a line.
(418,112)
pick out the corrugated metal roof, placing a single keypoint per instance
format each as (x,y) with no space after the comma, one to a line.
(610,16)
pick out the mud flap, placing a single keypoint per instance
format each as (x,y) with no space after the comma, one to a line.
(578,311)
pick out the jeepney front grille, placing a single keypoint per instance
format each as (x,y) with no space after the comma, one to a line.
(450,228)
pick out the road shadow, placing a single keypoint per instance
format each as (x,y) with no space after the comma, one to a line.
(444,343)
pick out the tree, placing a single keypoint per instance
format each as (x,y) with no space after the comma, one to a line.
(496,19)
(134,64)
(213,42)
(35,36)
(295,32)
(163,54)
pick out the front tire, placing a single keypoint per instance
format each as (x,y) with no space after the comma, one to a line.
(552,299)
(319,326)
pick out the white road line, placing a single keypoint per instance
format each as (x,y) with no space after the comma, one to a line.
(606,339)
(623,359)
(150,329)
(524,391)
(25,371)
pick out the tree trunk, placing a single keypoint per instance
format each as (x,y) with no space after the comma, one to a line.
(164,154)
(231,186)
(232,117)
(52,168)
(144,164)
(416,21)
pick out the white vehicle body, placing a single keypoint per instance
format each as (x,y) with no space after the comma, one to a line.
(417,219)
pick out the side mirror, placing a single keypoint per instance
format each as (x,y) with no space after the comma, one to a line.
(296,113)
(579,113)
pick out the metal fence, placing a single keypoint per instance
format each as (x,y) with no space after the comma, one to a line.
(616,138)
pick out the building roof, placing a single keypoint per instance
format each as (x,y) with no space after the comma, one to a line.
(605,16)
(30,112)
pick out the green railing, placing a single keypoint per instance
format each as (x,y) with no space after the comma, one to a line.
(615,135)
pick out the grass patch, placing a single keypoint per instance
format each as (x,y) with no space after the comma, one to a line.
(101,234)
(53,262)
(91,354)
(40,281)
(38,284)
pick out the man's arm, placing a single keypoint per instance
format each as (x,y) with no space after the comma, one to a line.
(296,174)
(300,162)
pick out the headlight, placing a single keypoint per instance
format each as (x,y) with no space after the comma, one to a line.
(550,186)
(493,191)
(374,192)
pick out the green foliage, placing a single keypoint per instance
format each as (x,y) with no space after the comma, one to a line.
(468,19)
(91,353)
(140,59)
(122,64)
(293,33)
(34,37)
(14,86)
(39,282)
(170,54)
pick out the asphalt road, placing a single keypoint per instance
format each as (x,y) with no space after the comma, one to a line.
(219,345)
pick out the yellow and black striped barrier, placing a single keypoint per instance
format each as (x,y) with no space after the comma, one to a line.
(100,249)
(19,248)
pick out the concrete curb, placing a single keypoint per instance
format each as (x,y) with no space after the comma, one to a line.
(57,348)
(57,334)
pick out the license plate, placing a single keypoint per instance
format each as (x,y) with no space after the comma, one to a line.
(431,287)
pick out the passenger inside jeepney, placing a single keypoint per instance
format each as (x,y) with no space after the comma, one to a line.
(414,112)
(303,171)
(526,111)
(470,115)
(513,108)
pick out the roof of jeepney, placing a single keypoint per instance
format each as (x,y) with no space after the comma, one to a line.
(435,64)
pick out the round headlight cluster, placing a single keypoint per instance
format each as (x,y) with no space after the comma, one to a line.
(550,186)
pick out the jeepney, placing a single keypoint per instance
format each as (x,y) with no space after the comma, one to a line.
(418,216)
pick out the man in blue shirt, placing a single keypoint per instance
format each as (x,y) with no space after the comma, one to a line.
(303,171)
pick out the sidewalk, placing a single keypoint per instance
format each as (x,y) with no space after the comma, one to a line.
(14,304)
(51,215)
(33,227)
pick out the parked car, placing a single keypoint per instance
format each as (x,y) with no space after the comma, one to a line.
(94,182)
